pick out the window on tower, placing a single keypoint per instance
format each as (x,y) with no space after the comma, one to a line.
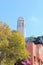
(23,24)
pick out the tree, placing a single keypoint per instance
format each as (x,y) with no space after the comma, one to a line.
(12,44)
(4,42)
(17,47)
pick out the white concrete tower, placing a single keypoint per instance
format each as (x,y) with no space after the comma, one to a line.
(21,25)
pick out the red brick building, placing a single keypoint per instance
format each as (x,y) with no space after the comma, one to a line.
(36,53)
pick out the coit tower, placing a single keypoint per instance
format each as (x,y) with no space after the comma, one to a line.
(21,25)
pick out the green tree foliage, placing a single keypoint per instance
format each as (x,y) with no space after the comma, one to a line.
(18,43)
(17,47)
(4,42)
(12,44)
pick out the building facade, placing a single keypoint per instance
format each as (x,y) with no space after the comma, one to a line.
(36,53)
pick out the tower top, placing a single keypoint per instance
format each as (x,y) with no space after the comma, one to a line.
(20,19)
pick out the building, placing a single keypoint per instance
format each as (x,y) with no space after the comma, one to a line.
(36,53)
(21,25)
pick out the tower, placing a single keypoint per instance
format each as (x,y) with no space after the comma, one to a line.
(21,25)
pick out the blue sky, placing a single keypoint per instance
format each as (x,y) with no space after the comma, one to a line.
(31,10)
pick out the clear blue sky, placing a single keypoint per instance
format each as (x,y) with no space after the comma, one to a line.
(31,10)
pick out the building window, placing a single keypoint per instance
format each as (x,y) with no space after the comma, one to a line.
(40,51)
(38,62)
(34,58)
(37,50)
(22,24)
